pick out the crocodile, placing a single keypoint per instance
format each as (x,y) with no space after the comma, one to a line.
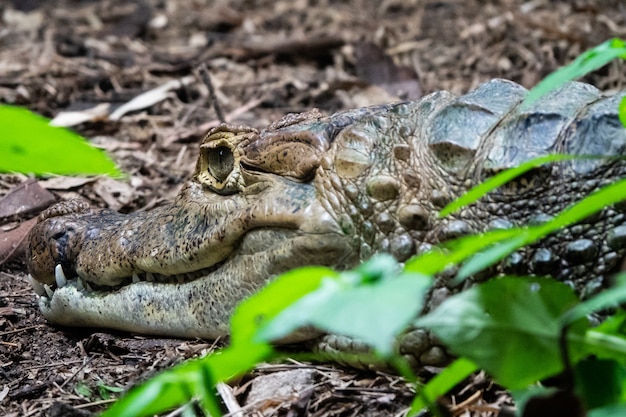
(333,191)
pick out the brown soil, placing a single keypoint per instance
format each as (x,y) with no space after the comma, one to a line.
(266,58)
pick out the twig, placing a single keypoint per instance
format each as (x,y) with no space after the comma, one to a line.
(226,392)
(206,78)
(22,329)
(203,128)
(80,368)
(95,403)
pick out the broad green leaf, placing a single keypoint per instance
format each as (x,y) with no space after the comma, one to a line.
(105,391)
(456,251)
(29,144)
(587,62)
(262,307)
(538,400)
(83,389)
(609,298)
(180,384)
(600,382)
(616,410)
(207,386)
(509,327)
(369,304)
(622,111)
(443,382)
(608,340)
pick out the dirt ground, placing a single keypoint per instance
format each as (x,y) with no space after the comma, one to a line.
(266,58)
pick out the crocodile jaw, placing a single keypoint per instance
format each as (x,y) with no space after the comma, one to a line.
(199,308)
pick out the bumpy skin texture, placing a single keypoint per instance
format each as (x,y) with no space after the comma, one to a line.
(334,191)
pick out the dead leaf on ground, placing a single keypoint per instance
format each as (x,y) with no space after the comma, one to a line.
(26,198)
(374,66)
(116,194)
(13,242)
(65,183)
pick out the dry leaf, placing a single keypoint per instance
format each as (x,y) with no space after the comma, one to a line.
(27,198)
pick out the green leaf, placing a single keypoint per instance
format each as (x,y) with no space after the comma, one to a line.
(30,145)
(106,390)
(180,384)
(83,390)
(585,63)
(600,382)
(509,327)
(443,382)
(608,340)
(609,298)
(608,195)
(622,111)
(262,307)
(500,179)
(456,251)
(609,411)
(338,305)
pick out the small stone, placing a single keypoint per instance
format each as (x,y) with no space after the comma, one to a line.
(580,251)
(264,389)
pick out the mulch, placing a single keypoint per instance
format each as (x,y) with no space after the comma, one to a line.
(266,59)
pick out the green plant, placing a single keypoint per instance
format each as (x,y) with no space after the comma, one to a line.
(30,145)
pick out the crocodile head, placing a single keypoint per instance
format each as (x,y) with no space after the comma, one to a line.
(313,190)
(251,210)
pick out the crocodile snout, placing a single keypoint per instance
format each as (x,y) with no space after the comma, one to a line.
(55,240)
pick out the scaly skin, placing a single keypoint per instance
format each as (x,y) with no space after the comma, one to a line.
(313,190)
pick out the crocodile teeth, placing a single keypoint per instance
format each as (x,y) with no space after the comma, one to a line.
(37,286)
(87,286)
(59,276)
(48,290)
(135,278)
(149,277)
(79,284)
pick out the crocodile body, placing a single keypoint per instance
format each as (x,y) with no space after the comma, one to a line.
(314,190)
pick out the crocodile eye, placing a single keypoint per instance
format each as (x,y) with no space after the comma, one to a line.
(221,162)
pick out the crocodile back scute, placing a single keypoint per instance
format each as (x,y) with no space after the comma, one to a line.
(457,131)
